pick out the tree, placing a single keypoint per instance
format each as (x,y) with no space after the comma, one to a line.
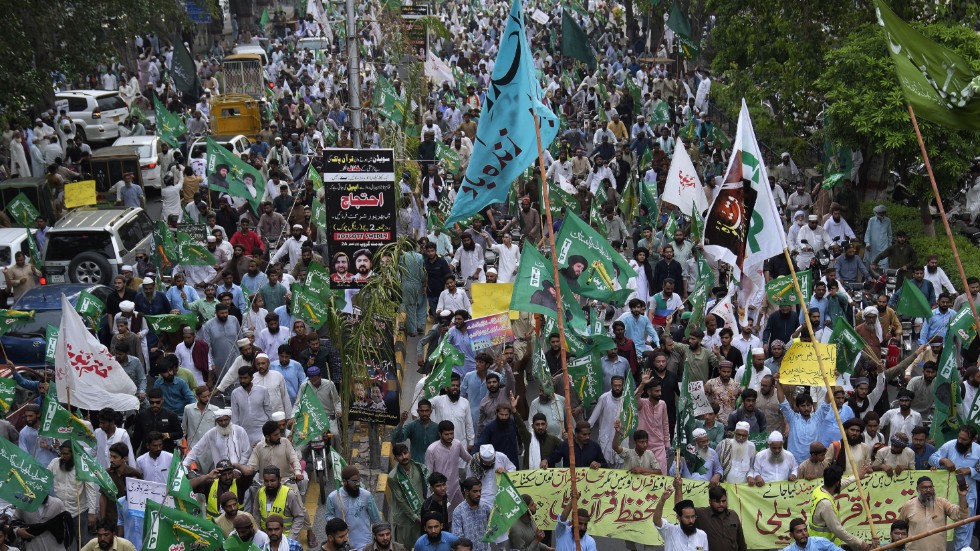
(60,42)
(871,111)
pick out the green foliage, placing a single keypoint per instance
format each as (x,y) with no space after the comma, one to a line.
(41,39)
(871,110)
(910,220)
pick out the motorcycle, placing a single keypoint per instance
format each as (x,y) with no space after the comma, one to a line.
(319,452)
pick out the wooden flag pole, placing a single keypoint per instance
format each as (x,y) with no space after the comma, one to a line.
(942,216)
(916,537)
(833,403)
(569,423)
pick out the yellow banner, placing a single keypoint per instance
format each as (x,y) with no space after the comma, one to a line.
(80,194)
(800,366)
(492,298)
(622,504)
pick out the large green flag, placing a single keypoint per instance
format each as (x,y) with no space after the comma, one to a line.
(939,84)
(25,483)
(22,210)
(169,126)
(264,18)
(8,392)
(945,391)
(318,279)
(586,377)
(561,201)
(168,529)
(229,174)
(689,132)
(57,422)
(165,248)
(849,344)
(387,101)
(539,365)
(171,323)
(87,469)
(629,417)
(448,157)
(508,506)
(312,419)
(912,302)
(681,25)
(309,307)
(537,290)
(191,252)
(781,292)
(582,251)
(634,90)
(33,250)
(179,486)
(661,114)
(11,318)
(963,326)
(443,359)
(89,307)
(699,297)
(574,41)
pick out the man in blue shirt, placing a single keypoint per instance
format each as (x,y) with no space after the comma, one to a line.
(290,369)
(564,538)
(457,337)
(937,325)
(434,539)
(804,424)
(922,449)
(176,393)
(803,541)
(639,327)
(920,281)
(180,295)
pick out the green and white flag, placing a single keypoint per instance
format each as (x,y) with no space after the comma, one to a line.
(22,210)
(508,506)
(911,301)
(964,326)
(537,291)
(699,297)
(312,419)
(309,306)
(33,250)
(586,377)
(443,359)
(164,246)
(387,101)
(11,318)
(235,543)
(590,265)
(945,392)
(171,323)
(51,341)
(849,344)
(57,422)
(8,392)
(229,174)
(168,529)
(448,157)
(781,292)
(25,483)
(937,82)
(192,252)
(539,365)
(661,114)
(89,307)
(169,126)
(337,464)
(629,417)
(89,470)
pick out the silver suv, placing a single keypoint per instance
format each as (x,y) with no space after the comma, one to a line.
(90,245)
(97,114)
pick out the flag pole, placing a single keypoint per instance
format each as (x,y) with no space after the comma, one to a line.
(569,425)
(833,403)
(942,216)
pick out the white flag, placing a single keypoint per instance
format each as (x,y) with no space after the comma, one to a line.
(683,188)
(725,310)
(742,227)
(85,367)
(438,71)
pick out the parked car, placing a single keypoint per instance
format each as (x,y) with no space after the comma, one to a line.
(97,114)
(237,144)
(24,345)
(89,245)
(12,241)
(149,152)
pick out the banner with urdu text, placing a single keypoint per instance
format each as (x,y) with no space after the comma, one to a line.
(622,504)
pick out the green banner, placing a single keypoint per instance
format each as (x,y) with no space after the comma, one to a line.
(508,506)
(582,250)
(781,292)
(229,174)
(309,307)
(22,210)
(25,483)
(171,323)
(312,419)
(191,252)
(586,377)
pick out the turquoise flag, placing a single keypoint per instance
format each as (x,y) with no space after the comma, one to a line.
(506,143)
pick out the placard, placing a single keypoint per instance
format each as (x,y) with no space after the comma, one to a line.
(359,197)
(699,398)
(139,491)
(489,331)
(540,16)
(80,194)
(490,298)
(376,398)
(800,365)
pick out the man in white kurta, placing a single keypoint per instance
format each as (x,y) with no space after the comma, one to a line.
(251,407)
(444,456)
(225,441)
(604,416)
(78,497)
(104,440)
(273,382)
(49,509)
(508,257)
(773,463)
(452,407)
(736,454)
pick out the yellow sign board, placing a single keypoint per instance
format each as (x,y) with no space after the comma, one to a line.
(80,194)
(492,298)
(800,365)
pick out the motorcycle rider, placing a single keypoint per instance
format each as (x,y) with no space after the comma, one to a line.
(810,239)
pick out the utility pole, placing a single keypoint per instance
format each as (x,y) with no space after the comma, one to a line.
(353,72)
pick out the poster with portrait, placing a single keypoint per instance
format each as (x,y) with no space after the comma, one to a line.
(415,31)
(375,398)
(359,196)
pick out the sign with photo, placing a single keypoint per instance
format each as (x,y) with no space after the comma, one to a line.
(375,398)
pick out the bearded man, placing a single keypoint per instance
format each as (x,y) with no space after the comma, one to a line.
(736,454)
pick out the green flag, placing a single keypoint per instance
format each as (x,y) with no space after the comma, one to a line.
(650,199)
(235,543)
(630,199)
(11,318)
(912,302)
(167,529)
(32,248)
(8,392)
(387,101)
(697,226)
(165,248)
(264,19)
(25,483)
(443,359)
(629,418)
(671,226)
(539,365)
(683,440)
(191,252)
(781,292)
(849,344)
(699,297)
(318,279)
(586,377)
(169,126)
(508,506)
(309,307)
(661,114)
(51,341)
(312,419)
(337,463)
(89,307)
(448,157)
(938,83)
(87,469)
(945,392)
(589,263)
(227,173)
(634,90)
(963,326)
(719,137)
(171,323)
(681,25)
(58,422)
(574,41)
(22,210)
(690,131)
